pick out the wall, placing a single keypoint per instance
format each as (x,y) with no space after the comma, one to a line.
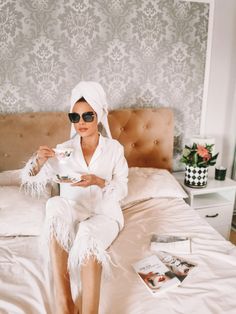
(221,104)
(145,53)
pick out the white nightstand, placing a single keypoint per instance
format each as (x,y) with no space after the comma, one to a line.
(215,202)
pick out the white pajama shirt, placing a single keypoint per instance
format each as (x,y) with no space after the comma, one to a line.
(84,220)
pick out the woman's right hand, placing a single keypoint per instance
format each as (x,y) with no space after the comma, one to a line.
(43,154)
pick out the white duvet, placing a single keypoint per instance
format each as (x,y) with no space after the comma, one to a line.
(209,288)
(24,283)
(25,287)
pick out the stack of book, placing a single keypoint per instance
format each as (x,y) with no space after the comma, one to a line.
(165,269)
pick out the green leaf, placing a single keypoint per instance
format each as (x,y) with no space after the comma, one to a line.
(215,156)
(202,163)
(212,162)
(209,147)
(195,159)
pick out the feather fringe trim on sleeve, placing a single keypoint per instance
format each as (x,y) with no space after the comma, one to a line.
(35,185)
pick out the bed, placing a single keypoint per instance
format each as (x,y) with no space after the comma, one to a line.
(155,204)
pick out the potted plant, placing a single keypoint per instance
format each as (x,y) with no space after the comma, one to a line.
(197,159)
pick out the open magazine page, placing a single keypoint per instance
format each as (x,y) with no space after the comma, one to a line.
(171,243)
(178,265)
(155,275)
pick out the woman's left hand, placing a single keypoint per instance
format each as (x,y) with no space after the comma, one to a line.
(90,179)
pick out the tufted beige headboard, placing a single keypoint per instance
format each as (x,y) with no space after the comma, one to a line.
(147,135)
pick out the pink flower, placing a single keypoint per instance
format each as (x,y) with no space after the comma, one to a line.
(203,152)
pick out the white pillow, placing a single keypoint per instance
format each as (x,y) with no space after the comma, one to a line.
(20,214)
(145,183)
(13,177)
(10,177)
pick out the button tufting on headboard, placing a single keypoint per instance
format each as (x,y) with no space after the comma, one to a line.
(146,134)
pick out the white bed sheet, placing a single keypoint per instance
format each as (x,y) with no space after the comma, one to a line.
(209,288)
(25,283)
(25,287)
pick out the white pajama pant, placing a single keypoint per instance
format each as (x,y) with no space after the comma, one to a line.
(79,232)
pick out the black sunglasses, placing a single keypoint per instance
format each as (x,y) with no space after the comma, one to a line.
(86,116)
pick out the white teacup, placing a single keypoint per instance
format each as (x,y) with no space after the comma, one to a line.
(63,154)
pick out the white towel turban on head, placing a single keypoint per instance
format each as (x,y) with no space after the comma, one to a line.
(95,96)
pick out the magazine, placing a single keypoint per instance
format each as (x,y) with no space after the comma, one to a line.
(177,265)
(155,275)
(170,243)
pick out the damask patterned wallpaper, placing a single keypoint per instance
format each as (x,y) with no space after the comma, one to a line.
(144,52)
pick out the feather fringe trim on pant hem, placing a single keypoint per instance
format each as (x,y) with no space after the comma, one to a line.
(60,230)
(87,248)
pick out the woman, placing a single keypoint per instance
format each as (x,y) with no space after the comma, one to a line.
(85,219)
